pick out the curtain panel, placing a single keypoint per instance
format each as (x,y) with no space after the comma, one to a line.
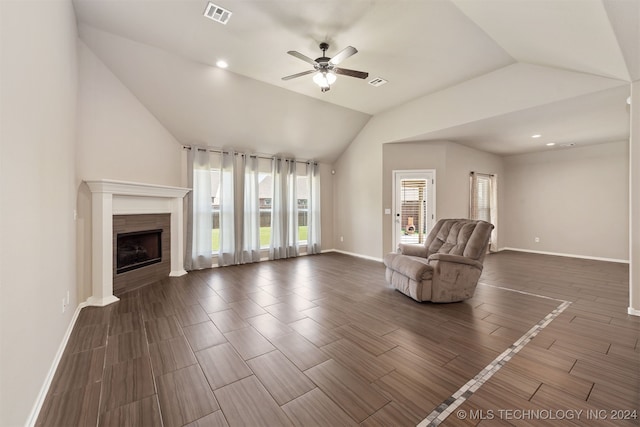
(284,214)
(239,210)
(251,222)
(483,202)
(313,216)
(228,254)
(199,214)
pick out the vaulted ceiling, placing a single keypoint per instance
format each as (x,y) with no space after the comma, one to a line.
(165,52)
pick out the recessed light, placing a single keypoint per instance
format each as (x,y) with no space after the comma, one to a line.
(550,144)
(537,135)
(221,63)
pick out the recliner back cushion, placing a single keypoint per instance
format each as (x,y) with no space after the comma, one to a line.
(463,237)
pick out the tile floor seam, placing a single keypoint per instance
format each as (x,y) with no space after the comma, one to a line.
(447,407)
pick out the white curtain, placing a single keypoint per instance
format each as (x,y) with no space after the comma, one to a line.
(199,215)
(284,215)
(494,213)
(239,210)
(227,254)
(251,227)
(313,213)
(483,202)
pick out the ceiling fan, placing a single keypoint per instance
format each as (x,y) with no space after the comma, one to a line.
(325,68)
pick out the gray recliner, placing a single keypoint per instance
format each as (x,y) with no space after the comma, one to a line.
(446,268)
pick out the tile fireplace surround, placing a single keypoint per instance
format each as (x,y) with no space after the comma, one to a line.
(109,198)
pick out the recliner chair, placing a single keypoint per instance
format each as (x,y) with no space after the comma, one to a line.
(446,268)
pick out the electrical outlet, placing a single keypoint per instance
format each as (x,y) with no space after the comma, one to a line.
(537,240)
(342,238)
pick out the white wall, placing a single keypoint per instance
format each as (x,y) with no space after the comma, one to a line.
(38,92)
(118,138)
(452,163)
(575,200)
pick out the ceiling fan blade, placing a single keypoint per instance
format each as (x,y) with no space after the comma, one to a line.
(293,76)
(351,73)
(343,54)
(305,58)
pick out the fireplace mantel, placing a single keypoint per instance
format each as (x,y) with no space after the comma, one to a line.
(108,198)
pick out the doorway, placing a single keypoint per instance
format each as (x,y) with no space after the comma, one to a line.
(413,205)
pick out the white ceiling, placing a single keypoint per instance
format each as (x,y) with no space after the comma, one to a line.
(419,46)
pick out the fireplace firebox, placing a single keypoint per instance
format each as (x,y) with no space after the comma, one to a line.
(138,249)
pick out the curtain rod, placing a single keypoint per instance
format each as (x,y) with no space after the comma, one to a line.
(218,150)
(480,173)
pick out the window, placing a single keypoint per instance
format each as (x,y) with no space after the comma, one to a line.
(215,202)
(265,191)
(302,195)
(483,201)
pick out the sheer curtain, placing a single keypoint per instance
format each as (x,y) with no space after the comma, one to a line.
(251,227)
(313,219)
(227,254)
(199,213)
(284,214)
(239,210)
(483,202)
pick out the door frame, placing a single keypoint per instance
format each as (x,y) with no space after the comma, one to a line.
(407,174)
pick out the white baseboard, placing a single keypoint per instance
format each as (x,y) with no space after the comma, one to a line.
(35,411)
(595,258)
(354,254)
(633,312)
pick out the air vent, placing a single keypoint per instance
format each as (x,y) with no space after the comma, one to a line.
(569,144)
(217,13)
(378,81)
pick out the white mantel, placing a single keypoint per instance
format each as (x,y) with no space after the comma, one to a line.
(109,198)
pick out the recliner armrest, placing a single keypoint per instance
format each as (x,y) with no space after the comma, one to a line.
(457,259)
(412,250)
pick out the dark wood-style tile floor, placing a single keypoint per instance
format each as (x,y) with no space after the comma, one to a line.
(323,340)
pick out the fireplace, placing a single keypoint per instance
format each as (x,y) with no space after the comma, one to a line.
(119,207)
(138,249)
(141,250)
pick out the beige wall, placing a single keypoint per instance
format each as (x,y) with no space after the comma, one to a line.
(634,182)
(326,206)
(452,163)
(119,139)
(575,200)
(358,200)
(38,92)
(358,179)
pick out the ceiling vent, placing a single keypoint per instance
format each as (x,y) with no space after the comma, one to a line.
(378,81)
(217,13)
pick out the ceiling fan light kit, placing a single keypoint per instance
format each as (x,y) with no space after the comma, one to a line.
(324,79)
(324,68)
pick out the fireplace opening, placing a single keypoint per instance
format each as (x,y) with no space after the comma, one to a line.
(138,249)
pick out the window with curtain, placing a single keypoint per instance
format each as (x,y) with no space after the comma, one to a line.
(284,213)
(483,201)
(199,210)
(241,204)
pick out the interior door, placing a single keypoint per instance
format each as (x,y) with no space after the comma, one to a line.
(413,206)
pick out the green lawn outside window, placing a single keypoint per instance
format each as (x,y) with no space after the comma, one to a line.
(265,236)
